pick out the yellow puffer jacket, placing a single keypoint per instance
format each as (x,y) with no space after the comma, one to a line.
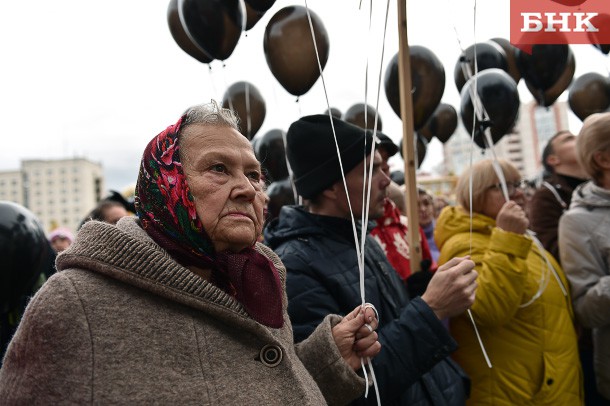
(533,349)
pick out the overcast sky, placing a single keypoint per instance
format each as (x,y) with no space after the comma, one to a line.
(100,79)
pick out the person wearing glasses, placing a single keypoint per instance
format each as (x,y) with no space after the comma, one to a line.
(524,318)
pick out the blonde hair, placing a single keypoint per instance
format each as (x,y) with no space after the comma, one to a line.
(594,137)
(483,177)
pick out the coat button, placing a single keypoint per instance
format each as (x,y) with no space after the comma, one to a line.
(271,355)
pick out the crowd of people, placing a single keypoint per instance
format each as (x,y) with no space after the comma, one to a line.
(191,296)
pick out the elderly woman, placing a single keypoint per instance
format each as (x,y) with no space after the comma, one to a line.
(181,305)
(584,243)
(522,314)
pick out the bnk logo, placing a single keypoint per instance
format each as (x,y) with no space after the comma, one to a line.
(534,22)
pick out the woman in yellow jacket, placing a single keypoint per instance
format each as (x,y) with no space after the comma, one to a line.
(524,317)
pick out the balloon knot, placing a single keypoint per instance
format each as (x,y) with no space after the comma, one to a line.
(484,124)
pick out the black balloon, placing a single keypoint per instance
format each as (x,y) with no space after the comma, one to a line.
(356,115)
(398,176)
(500,98)
(271,153)
(248,103)
(252,16)
(543,68)
(509,51)
(589,94)
(289,48)
(488,55)
(214,25)
(442,124)
(335,112)
(260,5)
(24,250)
(421,146)
(427,80)
(547,97)
(280,194)
(181,37)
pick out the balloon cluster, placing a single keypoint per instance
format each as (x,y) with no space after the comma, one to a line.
(210,29)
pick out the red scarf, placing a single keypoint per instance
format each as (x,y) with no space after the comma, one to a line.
(391,233)
(167,212)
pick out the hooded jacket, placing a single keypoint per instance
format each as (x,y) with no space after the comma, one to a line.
(549,202)
(413,367)
(123,323)
(584,242)
(532,349)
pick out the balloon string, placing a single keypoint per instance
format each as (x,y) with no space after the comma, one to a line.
(224,78)
(370,175)
(365,212)
(364,176)
(290,173)
(479,110)
(212,81)
(248,112)
(360,264)
(332,125)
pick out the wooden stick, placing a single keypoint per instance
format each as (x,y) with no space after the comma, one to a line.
(408,143)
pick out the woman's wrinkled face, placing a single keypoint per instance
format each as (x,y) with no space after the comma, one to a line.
(223,176)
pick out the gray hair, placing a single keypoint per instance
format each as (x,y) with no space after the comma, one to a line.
(212,114)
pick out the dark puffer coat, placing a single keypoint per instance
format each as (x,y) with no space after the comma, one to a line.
(413,367)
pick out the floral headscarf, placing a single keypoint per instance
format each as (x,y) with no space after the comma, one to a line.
(166,209)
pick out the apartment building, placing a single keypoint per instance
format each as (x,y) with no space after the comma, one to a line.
(59,192)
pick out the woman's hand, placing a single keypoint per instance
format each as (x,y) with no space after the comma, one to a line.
(355,335)
(511,217)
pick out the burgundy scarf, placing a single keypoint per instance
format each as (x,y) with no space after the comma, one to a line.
(167,212)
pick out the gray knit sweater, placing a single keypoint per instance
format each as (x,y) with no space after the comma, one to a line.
(123,323)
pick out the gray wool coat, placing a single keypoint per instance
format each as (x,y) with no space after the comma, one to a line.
(584,245)
(123,323)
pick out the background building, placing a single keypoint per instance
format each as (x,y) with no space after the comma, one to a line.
(59,192)
(11,187)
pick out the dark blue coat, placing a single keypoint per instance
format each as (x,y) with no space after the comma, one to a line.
(413,367)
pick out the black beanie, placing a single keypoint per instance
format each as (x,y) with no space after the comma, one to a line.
(312,153)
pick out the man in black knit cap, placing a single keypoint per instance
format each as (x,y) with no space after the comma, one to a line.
(317,246)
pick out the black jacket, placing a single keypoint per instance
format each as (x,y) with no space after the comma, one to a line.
(546,208)
(413,367)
